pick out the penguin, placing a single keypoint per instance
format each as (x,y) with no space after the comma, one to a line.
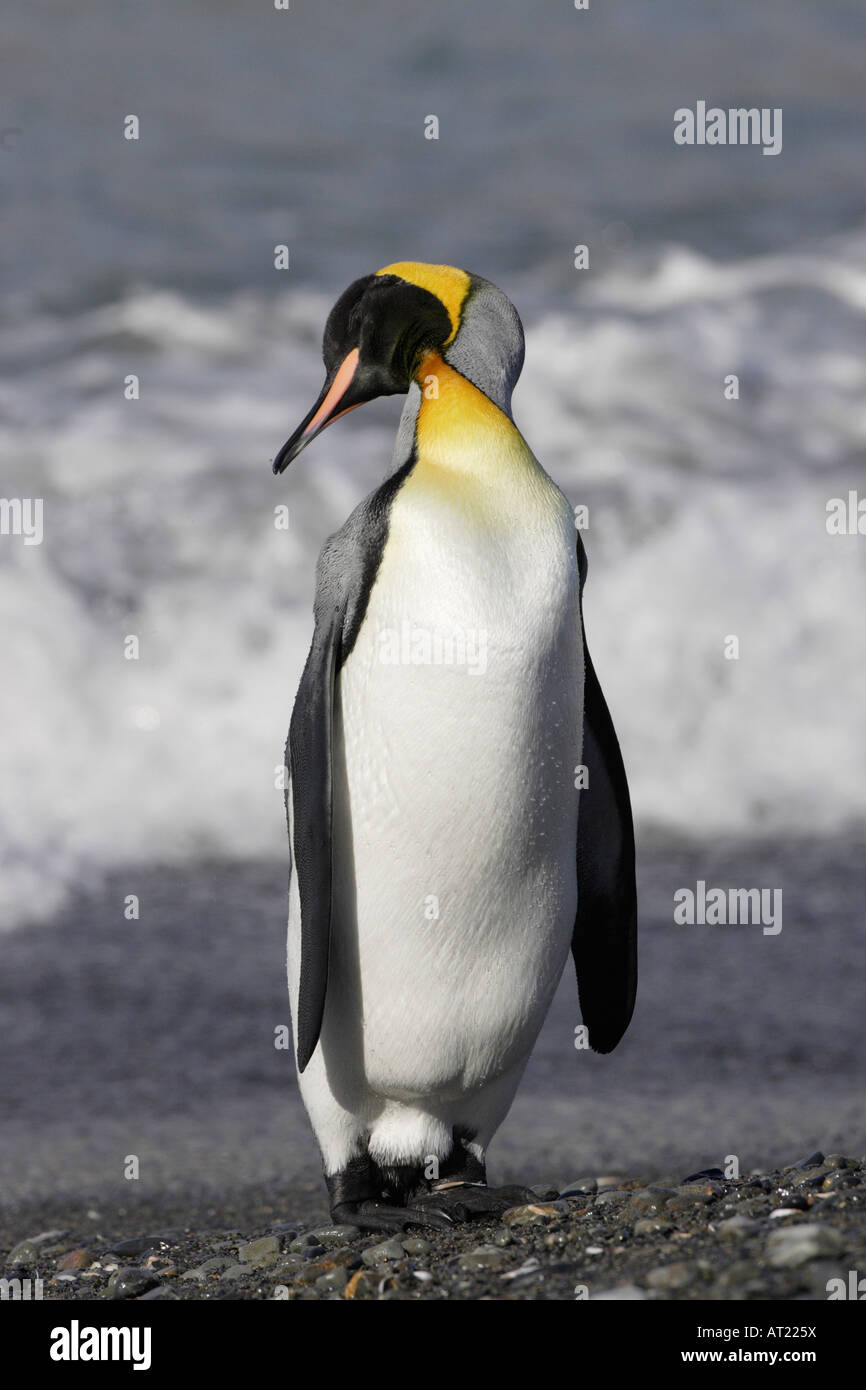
(457,806)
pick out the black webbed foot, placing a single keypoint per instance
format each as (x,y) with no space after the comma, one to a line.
(472,1201)
(371,1215)
(393,1199)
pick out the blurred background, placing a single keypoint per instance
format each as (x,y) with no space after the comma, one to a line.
(156,777)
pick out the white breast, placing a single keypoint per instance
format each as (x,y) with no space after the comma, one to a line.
(459,728)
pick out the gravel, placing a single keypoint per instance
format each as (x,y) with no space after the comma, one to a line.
(781,1234)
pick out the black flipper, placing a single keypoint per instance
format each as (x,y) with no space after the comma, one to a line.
(604,944)
(345,575)
(310,761)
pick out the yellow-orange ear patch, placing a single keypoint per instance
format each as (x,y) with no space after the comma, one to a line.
(449,285)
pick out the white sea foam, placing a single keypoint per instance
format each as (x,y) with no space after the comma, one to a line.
(707,518)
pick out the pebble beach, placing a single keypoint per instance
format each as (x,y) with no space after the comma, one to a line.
(154,1041)
(794,1233)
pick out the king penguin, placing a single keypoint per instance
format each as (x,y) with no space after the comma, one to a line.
(458,810)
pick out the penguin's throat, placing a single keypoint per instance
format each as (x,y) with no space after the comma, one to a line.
(459,428)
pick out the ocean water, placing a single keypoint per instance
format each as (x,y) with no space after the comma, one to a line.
(706,515)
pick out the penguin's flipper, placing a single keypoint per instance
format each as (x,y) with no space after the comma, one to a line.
(345,574)
(604,944)
(310,758)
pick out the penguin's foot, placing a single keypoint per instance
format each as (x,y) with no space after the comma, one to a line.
(472,1201)
(394,1198)
(446,1205)
(362,1195)
(379,1216)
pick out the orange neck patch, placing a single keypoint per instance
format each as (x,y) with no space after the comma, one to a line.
(457,424)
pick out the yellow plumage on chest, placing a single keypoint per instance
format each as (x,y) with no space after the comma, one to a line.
(469,453)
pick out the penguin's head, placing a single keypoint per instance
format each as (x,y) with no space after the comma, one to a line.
(381,327)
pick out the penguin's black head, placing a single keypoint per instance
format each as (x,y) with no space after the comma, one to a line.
(375,338)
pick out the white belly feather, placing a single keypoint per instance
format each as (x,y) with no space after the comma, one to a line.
(455,807)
